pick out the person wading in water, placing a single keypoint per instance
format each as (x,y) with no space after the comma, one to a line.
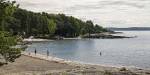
(100,53)
(47,53)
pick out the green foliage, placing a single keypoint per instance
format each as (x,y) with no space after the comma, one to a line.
(98,29)
(12,25)
(51,26)
(6,9)
(123,69)
(43,24)
(7,50)
(88,28)
(7,41)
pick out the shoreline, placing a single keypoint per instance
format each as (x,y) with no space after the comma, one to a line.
(31,64)
(60,60)
(104,35)
(36,40)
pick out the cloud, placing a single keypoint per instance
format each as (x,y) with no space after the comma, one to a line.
(120,3)
(108,3)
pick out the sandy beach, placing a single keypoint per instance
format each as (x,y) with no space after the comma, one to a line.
(31,64)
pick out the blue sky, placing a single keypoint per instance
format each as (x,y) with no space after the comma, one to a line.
(108,13)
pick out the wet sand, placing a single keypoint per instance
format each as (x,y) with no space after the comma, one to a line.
(42,65)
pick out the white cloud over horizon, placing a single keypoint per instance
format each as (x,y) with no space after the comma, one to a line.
(108,13)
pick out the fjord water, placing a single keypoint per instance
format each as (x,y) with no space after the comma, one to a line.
(125,52)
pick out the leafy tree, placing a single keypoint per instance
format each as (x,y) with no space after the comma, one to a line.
(51,27)
(7,42)
(90,26)
(6,9)
(98,29)
(12,25)
(7,47)
(43,24)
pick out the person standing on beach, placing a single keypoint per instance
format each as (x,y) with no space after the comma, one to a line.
(47,52)
(35,51)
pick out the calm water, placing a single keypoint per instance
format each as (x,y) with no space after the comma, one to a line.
(126,52)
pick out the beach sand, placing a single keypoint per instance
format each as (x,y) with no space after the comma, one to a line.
(42,65)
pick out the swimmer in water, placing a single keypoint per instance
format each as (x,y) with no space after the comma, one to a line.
(100,53)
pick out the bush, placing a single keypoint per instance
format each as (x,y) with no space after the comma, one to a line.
(7,47)
(123,69)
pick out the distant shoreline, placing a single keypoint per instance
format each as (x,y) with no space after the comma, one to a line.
(129,29)
(36,40)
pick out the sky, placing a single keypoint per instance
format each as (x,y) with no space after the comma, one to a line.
(107,13)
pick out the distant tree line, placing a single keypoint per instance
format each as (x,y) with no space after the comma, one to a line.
(28,23)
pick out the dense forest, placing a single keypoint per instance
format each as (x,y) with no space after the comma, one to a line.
(27,23)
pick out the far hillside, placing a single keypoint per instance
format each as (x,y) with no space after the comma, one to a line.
(130,29)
